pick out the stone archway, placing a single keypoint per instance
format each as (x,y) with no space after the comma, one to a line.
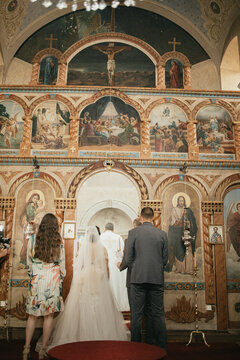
(115,191)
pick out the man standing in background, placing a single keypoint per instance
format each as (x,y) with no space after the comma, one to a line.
(147,255)
(114,245)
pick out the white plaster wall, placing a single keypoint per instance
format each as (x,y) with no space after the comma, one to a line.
(122,222)
(205,76)
(230,67)
(18,73)
(114,192)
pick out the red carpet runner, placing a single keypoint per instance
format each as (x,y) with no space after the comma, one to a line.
(106,350)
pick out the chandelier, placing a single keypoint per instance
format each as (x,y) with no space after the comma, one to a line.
(88,4)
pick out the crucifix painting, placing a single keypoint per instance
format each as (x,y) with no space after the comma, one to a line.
(111,51)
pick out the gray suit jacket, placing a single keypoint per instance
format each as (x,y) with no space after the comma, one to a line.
(124,266)
(147,254)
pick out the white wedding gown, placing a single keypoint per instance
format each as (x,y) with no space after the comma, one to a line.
(90,311)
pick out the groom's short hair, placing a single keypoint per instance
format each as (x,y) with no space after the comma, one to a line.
(147,213)
(109,226)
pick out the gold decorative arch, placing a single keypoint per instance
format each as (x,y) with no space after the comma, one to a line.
(42,176)
(176,55)
(57,97)
(18,100)
(175,178)
(225,186)
(110,92)
(177,102)
(120,37)
(186,66)
(227,106)
(38,58)
(117,166)
(48,52)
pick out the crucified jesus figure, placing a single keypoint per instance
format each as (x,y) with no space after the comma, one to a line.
(110,51)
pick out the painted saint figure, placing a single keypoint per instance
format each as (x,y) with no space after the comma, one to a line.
(175,78)
(32,213)
(216,238)
(182,217)
(50,72)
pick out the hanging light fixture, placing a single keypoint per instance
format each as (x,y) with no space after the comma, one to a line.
(88,4)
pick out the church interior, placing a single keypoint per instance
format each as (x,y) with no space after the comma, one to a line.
(104,112)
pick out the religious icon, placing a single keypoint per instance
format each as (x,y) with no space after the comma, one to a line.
(48,70)
(215,234)
(181,218)
(69,230)
(109,121)
(111,51)
(214,130)
(11,125)
(174,74)
(31,216)
(50,128)
(168,129)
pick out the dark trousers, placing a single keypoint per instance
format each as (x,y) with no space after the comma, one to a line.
(148,298)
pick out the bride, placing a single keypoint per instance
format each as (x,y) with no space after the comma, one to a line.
(90,311)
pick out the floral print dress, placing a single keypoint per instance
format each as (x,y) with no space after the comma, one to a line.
(45,285)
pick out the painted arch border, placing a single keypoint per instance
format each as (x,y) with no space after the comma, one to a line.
(141,45)
(118,166)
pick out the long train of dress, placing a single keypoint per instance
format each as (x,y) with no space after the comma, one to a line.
(90,311)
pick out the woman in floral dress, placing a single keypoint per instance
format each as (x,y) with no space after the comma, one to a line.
(46,268)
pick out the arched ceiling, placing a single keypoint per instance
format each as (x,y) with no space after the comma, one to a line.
(207,21)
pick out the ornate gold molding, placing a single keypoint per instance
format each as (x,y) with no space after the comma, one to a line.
(185,312)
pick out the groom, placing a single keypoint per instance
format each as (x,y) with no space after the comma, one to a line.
(147,255)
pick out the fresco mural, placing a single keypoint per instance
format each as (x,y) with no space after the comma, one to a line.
(174,74)
(110,121)
(181,210)
(215,130)
(48,70)
(145,25)
(11,125)
(232,229)
(168,129)
(34,200)
(111,64)
(51,122)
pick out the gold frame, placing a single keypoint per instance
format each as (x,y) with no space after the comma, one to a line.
(69,230)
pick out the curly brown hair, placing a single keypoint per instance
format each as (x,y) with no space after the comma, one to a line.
(48,240)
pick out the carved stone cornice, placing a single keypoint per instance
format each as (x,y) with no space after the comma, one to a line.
(156,205)
(65,203)
(7,202)
(210,207)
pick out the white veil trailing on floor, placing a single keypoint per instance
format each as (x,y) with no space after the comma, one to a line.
(90,311)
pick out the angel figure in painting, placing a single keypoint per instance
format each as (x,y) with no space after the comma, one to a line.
(233,229)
